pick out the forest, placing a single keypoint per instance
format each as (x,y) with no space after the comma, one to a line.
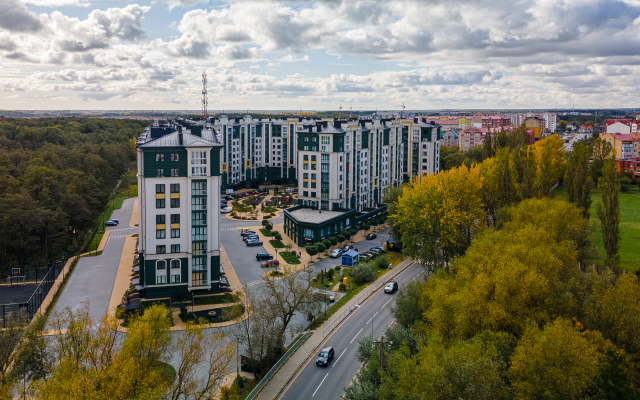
(56,177)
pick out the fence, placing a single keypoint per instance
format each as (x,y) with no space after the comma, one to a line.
(30,272)
(339,317)
(35,301)
(277,365)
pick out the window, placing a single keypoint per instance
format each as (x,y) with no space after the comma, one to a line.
(160,219)
(161,264)
(175,264)
(175,172)
(161,249)
(160,233)
(159,188)
(159,173)
(313,194)
(305,194)
(175,248)
(161,279)
(305,176)
(198,163)
(175,233)
(159,157)
(175,278)
(175,188)
(175,203)
(174,157)
(175,218)
(159,203)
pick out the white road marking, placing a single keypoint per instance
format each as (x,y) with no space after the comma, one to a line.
(387,303)
(334,364)
(417,276)
(354,338)
(371,318)
(325,377)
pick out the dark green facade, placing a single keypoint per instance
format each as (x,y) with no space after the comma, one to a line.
(151,163)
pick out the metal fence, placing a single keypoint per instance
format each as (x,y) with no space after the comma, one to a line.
(35,301)
(277,365)
(375,286)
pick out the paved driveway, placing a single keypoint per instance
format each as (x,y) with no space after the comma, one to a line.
(93,278)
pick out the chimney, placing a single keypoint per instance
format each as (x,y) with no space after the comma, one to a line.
(180,138)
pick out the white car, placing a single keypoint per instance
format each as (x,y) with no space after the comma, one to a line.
(226,210)
(336,253)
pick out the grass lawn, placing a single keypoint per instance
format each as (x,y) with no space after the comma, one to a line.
(276,244)
(289,257)
(225,298)
(94,254)
(266,233)
(96,241)
(629,226)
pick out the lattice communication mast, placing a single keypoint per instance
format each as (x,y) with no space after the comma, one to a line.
(204,95)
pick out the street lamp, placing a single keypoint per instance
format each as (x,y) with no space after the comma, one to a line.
(237,354)
(372,315)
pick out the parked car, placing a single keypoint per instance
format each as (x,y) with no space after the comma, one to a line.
(377,250)
(381,249)
(325,356)
(347,248)
(254,243)
(263,256)
(391,287)
(230,197)
(251,237)
(270,263)
(371,236)
(246,232)
(115,220)
(226,210)
(110,223)
(336,253)
(366,256)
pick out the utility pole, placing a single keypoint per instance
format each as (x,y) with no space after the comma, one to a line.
(383,361)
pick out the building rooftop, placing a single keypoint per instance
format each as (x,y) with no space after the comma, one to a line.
(314,216)
(177,139)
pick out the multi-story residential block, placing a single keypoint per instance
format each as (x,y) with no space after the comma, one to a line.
(629,165)
(622,126)
(471,137)
(179,196)
(537,125)
(494,122)
(450,138)
(626,146)
(550,119)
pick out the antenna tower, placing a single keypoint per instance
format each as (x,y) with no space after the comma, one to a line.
(204,95)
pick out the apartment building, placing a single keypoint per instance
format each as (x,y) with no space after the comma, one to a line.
(179,196)
(471,137)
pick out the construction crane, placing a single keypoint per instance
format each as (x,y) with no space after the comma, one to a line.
(402,108)
(340,111)
(204,101)
(351,109)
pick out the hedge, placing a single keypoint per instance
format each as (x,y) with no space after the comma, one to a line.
(311,250)
(334,240)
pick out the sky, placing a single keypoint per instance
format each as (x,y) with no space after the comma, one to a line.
(319,55)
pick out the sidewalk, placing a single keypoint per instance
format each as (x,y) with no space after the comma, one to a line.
(283,377)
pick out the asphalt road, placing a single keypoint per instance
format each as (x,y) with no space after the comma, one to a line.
(314,382)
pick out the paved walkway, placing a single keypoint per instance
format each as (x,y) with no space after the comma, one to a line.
(94,277)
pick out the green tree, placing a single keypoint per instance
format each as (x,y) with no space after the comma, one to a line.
(600,151)
(487,148)
(524,169)
(562,125)
(609,211)
(577,179)
(363,273)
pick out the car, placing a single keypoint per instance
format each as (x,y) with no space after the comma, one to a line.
(391,287)
(378,251)
(251,237)
(381,249)
(246,232)
(230,197)
(366,256)
(325,356)
(115,220)
(226,210)
(263,256)
(336,253)
(347,248)
(254,243)
(110,223)
(269,263)
(370,253)
(371,236)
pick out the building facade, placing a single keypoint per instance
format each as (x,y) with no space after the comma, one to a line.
(179,196)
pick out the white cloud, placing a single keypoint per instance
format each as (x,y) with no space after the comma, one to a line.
(180,3)
(58,3)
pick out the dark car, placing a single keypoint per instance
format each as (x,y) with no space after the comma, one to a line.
(110,223)
(376,249)
(263,256)
(115,220)
(230,197)
(254,243)
(248,232)
(325,356)
(370,253)
(250,237)
(391,287)
(371,236)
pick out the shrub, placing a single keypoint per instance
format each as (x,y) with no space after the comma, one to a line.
(342,287)
(311,250)
(334,240)
(366,227)
(321,247)
(382,262)
(338,268)
(363,273)
(330,274)
(277,235)
(353,231)
(326,243)
(265,223)
(341,237)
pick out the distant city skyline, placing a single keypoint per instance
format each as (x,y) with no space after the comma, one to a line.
(318,55)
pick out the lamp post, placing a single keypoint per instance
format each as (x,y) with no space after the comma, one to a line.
(237,354)
(372,315)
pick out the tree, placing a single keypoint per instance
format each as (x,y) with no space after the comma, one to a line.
(562,125)
(577,179)
(524,169)
(556,362)
(550,158)
(487,148)
(390,196)
(10,337)
(600,150)
(609,211)
(407,310)
(289,295)
(363,273)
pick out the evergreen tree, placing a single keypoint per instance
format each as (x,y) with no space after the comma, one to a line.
(609,211)
(577,179)
(488,150)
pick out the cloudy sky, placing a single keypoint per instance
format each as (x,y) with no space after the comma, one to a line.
(429,54)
